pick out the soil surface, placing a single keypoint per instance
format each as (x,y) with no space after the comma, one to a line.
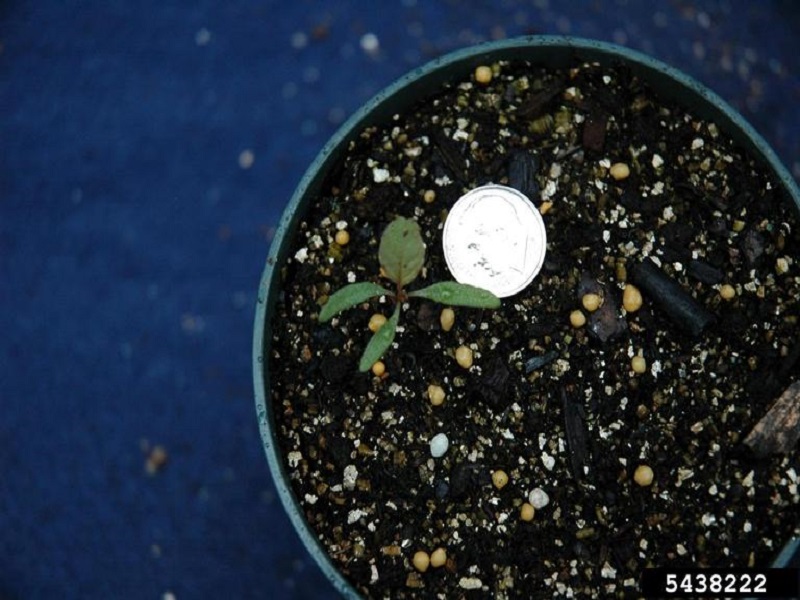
(555,407)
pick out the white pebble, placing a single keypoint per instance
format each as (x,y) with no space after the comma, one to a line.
(538,498)
(439,445)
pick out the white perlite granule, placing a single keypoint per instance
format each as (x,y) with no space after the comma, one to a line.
(350,476)
(470,583)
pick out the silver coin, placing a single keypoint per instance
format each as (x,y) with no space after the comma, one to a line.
(494,238)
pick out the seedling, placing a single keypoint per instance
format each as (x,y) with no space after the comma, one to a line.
(401,254)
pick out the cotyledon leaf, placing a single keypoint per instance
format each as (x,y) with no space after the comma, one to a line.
(380,342)
(349,296)
(458,294)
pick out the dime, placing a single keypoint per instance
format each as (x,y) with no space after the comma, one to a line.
(494,238)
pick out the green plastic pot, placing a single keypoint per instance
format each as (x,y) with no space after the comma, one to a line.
(553,51)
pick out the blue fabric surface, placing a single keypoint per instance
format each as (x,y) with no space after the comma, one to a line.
(133,231)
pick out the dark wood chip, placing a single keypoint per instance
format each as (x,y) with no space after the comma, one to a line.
(752,246)
(607,322)
(449,151)
(705,272)
(778,431)
(493,385)
(575,425)
(535,104)
(537,362)
(594,133)
(523,167)
(428,316)
(674,301)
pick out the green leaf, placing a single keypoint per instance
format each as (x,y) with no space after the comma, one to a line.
(349,296)
(380,342)
(458,294)
(401,251)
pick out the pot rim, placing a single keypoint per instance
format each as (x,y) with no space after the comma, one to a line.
(563,50)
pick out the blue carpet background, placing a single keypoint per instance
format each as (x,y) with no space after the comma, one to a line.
(133,231)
